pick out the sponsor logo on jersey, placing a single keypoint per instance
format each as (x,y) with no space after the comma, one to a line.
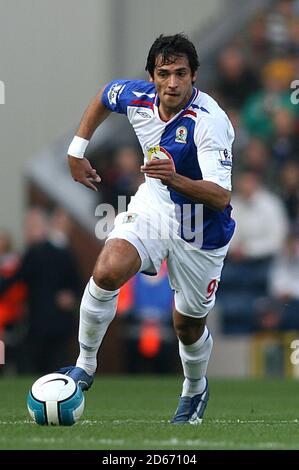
(114,92)
(130,217)
(181,135)
(225,158)
(158,152)
(144,114)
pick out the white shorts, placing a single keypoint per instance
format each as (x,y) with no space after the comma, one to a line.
(194,273)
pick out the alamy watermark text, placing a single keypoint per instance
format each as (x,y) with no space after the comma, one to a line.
(295,93)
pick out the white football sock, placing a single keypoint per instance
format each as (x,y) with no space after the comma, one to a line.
(195,358)
(98,308)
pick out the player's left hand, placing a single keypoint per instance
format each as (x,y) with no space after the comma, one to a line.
(161,169)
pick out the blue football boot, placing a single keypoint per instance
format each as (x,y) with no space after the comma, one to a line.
(79,375)
(191,409)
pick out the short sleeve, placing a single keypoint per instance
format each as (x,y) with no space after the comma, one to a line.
(214,139)
(115,96)
(120,94)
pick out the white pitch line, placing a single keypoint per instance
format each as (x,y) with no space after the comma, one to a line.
(254,421)
(199,443)
(17,423)
(195,444)
(120,422)
(61,440)
(139,421)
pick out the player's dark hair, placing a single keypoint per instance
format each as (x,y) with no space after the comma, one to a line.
(170,48)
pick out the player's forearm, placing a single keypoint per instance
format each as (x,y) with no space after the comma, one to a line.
(200,191)
(80,167)
(94,115)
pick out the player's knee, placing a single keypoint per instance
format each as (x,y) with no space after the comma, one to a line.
(108,278)
(117,263)
(187,329)
(185,333)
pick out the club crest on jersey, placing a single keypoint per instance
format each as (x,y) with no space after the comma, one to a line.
(181,135)
(158,152)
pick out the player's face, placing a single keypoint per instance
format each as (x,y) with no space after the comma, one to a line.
(173,83)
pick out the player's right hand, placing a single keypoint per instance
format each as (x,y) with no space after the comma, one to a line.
(83,173)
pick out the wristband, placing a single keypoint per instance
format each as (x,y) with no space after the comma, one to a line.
(77,147)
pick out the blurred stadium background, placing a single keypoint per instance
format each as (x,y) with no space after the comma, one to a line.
(54,56)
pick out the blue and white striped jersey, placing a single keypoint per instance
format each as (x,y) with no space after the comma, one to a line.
(198,139)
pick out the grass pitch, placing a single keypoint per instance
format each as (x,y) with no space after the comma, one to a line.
(133,412)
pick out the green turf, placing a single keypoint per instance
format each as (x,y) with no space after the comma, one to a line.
(133,413)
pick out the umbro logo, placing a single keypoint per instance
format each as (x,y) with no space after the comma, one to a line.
(144,114)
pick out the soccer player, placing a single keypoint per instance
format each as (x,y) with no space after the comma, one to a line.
(181,213)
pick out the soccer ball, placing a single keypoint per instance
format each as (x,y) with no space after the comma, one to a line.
(55,399)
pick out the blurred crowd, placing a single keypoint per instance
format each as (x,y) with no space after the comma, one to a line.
(254,84)
(39,294)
